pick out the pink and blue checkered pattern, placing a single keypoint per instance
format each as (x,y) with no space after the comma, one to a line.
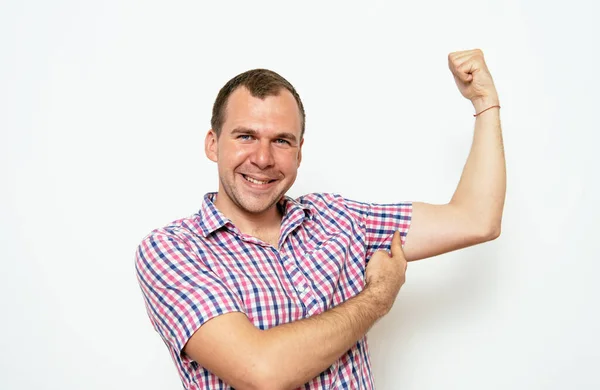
(202,266)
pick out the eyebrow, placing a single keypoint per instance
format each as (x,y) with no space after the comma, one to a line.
(249,131)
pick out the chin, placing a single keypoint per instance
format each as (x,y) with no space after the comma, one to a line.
(257,207)
(251,201)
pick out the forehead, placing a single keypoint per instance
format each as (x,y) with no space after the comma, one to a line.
(273,113)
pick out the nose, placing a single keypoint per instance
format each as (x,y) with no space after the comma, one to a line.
(262,156)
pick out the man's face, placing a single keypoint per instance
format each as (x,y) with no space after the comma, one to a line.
(258,151)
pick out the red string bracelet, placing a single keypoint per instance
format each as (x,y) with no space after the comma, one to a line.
(485,110)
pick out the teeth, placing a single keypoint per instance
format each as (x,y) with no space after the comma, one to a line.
(251,180)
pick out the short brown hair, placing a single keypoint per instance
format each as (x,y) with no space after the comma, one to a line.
(260,83)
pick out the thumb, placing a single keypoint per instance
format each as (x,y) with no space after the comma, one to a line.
(396,247)
(463,78)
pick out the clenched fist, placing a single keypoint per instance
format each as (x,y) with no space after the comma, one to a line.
(473,78)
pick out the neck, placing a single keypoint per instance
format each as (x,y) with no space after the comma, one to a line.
(247,222)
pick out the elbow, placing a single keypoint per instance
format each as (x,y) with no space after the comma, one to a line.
(276,372)
(494,232)
(268,386)
(260,374)
(259,381)
(484,226)
(268,376)
(267,381)
(489,232)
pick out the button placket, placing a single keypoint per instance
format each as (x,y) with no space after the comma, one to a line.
(303,290)
(306,293)
(297,278)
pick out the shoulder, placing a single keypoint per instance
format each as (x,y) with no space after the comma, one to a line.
(179,229)
(167,243)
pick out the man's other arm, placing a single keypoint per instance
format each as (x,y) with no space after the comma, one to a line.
(474,213)
(289,355)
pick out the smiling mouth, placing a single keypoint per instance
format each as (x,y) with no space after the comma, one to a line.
(255,181)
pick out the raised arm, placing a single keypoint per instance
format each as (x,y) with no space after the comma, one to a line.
(289,355)
(474,213)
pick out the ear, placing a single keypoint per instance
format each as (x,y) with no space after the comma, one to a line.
(300,152)
(210,145)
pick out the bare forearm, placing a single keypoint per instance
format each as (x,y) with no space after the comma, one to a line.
(482,186)
(299,351)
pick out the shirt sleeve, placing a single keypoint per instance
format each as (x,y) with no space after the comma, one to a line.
(380,221)
(181,293)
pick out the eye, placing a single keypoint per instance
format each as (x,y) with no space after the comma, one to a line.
(282,141)
(245,137)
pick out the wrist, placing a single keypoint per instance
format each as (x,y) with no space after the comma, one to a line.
(380,307)
(481,103)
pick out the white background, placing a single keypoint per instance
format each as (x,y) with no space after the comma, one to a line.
(103,111)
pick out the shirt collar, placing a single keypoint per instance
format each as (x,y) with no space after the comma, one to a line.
(289,206)
(211,219)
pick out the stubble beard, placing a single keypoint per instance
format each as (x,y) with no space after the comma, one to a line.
(245,204)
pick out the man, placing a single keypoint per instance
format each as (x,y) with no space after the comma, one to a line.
(261,291)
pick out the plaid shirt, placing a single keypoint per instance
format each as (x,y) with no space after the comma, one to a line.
(200,267)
